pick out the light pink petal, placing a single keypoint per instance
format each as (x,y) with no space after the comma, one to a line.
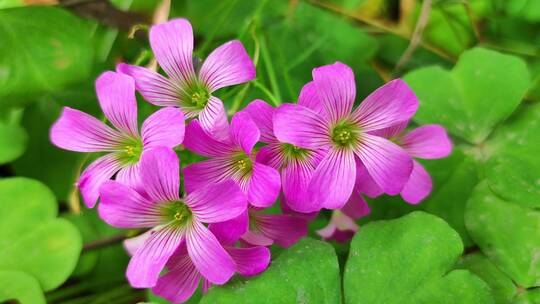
(123,207)
(213,119)
(155,88)
(336,88)
(309,98)
(200,174)
(78,131)
(227,65)
(250,261)
(419,185)
(388,164)
(285,230)
(301,126)
(390,104)
(198,141)
(172,43)
(262,114)
(98,172)
(295,178)
(146,264)
(244,132)
(334,178)
(217,202)
(228,232)
(130,175)
(164,127)
(182,279)
(341,228)
(209,257)
(365,183)
(391,132)
(356,207)
(429,141)
(264,185)
(116,95)
(256,238)
(328,231)
(131,245)
(160,174)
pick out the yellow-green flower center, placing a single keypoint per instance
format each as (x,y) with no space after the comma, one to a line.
(130,151)
(345,134)
(176,213)
(293,152)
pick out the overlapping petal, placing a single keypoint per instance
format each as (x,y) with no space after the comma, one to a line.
(428,141)
(213,119)
(228,232)
(295,178)
(202,173)
(264,185)
(217,202)
(160,174)
(285,230)
(418,186)
(244,132)
(164,128)
(336,89)
(250,261)
(301,127)
(262,114)
(198,141)
(98,172)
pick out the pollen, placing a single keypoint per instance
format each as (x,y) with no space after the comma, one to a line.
(344,134)
(241,164)
(130,150)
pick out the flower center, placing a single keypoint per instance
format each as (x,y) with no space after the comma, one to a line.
(200,98)
(195,96)
(293,152)
(242,166)
(130,151)
(344,134)
(176,213)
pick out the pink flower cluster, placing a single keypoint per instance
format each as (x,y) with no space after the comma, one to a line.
(318,153)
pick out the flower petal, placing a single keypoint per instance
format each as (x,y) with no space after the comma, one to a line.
(419,185)
(333,180)
(296,177)
(203,173)
(78,131)
(217,202)
(98,172)
(429,141)
(336,88)
(309,98)
(116,95)
(250,261)
(271,155)
(130,175)
(262,114)
(390,104)
(160,174)
(209,257)
(198,141)
(285,230)
(131,245)
(301,126)
(227,65)
(244,132)
(264,185)
(146,264)
(213,119)
(123,207)
(155,88)
(164,127)
(388,164)
(256,238)
(365,183)
(172,43)
(356,207)
(391,132)
(228,232)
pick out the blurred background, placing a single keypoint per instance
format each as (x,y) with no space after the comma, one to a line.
(52,51)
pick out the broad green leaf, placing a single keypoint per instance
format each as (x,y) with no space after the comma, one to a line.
(88,232)
(17,285)
(12,142)
(482,90)
(409,260)
(528,297)
(42,49)
(307,272)
(507,233)
(32,239)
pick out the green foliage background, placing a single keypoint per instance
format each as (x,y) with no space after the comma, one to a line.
(476,70)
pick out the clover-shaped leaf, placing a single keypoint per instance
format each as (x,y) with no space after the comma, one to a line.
(12,142)
(19,286)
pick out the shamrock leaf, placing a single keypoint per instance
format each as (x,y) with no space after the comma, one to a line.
(17,285)
(12,142)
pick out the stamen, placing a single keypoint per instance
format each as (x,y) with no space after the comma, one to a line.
(242,164)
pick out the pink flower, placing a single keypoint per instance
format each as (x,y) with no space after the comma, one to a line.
(174,220)
(187,87)
(342,226)
(78,131)
(231,158)
(347,134)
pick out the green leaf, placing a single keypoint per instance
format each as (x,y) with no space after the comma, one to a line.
(531,296)
(507,233)
(482,90)
(17,285)
(308,272)
(409,260)
(42,49)
(12,142)
(32,239)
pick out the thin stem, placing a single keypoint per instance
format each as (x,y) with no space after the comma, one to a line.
(417,34)
(266,91)
(269,65)
(476,29)
(111,240)
(219,24)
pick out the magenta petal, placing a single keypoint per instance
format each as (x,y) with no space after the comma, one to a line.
(271,155)
(164,127)
(203,173)
(388,164)
(264,185)
(256,238)
(285,230)
(209,257)
(418,186)
(356,207)
(429,141)
(301,126)
(244,132)
(336,88)
(172,43)
(262,114)
(198,141)
(217,202)
(146,264)
(155,88)
(227,65)
(295,179)
(228,232)
(98,172)
(334,178)
(391,132)
(160,174)
(390,104)
(250,261)
(213,119)
(78,131)
(116,95)
(365,183)
(124,207)
(309,98)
